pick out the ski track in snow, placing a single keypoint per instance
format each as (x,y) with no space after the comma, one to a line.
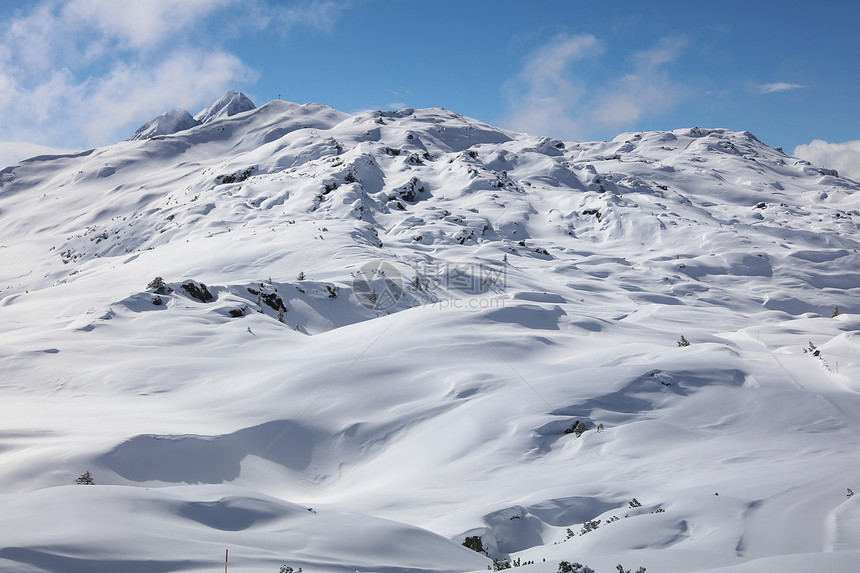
(377,334)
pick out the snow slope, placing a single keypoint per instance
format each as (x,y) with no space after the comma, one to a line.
(376,332)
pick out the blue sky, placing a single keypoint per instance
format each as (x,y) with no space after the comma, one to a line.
(83,73)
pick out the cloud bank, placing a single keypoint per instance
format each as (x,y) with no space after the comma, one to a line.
(557,93)
(843,157)
(79,73)
(82,73)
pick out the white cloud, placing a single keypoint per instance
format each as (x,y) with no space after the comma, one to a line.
(546,69)
(139,24)
(543,97)
(72,33)
(648,89)
(77,73)
(778,87)
(551,97)
(315,14)
(319,14)
(80,73)
(843,157)
(130,92)
(97,110)
(29,41)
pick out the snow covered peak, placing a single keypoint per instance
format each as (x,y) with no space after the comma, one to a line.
(178,120)
(166,124)
(227,105)
(192,294)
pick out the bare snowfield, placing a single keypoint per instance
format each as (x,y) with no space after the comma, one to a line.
(400,330)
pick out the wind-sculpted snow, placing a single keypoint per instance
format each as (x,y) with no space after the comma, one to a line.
(272,328)
(166,124)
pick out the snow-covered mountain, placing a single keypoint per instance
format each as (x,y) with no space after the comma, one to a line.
(227,105)
(165,124)
(375,338)
(178,120)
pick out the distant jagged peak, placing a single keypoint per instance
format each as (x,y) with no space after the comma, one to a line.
(165,124)
(688,133)
(723,133)
(284,107)
(178,120)
(692,141)
(227,105)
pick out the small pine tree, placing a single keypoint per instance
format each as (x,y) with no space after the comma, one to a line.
(474,543)
(589,526)
(835,312)
(158,285)
(301,276)
(85,479)
(683,342)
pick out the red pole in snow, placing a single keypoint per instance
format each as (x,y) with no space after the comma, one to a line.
(226,556)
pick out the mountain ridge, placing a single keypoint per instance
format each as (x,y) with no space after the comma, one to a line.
(177,120)
(270,330)
(305,137)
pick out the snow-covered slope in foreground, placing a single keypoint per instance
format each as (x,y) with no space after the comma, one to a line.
(378,335)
